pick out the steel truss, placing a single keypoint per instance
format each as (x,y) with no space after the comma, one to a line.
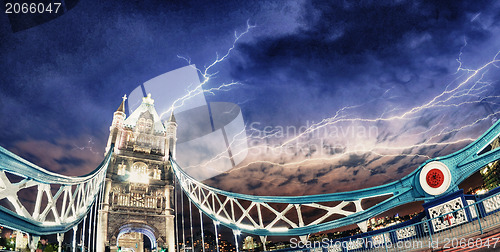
(285,214)
(40,202)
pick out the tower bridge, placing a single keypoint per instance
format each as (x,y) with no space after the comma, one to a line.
(131,194)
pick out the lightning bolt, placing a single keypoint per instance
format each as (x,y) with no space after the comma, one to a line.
(470,87)
(459,59)
(469,84)
(433,103)
(90,144)
(207,75)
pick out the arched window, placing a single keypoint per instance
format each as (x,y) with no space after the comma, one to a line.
(139,173)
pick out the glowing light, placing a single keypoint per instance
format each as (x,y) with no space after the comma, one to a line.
(481,191)
(138,177)
(278,229)
(223,219)
(245,226)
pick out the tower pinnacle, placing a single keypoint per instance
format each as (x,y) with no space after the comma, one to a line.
(122,105)
(172,117)
(148,100)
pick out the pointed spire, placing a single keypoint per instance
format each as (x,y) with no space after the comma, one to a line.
(122,105)
(172,117)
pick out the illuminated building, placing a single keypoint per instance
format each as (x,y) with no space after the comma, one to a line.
(249,243)
(491,172)
(137,202)
(21,240)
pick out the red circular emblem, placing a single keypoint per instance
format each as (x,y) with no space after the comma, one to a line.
(435,178)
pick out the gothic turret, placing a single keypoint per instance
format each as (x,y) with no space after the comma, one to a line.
(171,135)
(116,125)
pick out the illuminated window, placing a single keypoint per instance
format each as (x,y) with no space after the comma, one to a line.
(139,173)
(121,169)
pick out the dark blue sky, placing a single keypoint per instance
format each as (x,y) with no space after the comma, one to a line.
(302,63)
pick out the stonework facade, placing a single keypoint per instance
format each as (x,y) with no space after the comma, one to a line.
(138,195)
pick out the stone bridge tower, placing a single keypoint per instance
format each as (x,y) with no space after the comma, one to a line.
(138,194)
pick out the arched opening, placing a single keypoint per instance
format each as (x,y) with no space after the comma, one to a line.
(136,237)
(134,241)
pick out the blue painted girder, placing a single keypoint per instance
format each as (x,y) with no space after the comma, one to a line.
(461,164)
(12,163)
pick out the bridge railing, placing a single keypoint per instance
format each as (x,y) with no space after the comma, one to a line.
(480,218)
(41,202)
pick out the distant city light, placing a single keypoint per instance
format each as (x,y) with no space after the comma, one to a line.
(481,191)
